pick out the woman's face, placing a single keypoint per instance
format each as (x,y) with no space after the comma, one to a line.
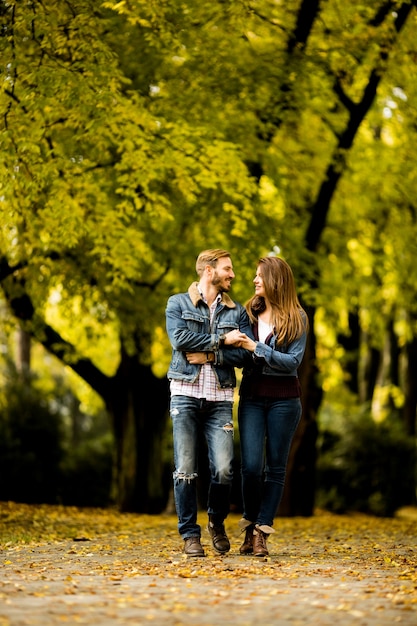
(259,283)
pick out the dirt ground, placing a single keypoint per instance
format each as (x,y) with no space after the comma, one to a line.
(321,571)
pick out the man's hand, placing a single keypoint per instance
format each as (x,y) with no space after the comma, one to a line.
(233,338)
(199,358)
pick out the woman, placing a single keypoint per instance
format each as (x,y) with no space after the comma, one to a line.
(270,405)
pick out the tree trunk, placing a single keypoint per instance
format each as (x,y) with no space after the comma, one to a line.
(138,405)
(137,402)
(369,373)
(351,344)
(24,341)
(393,368)
(410,405)
(394,355)
(299,492)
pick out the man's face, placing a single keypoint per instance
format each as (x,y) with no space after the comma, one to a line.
(222,274)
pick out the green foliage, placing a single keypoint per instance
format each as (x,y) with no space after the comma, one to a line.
(140,133)
(365,466)
(134,134)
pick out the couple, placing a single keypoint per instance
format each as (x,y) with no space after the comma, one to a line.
(210,335)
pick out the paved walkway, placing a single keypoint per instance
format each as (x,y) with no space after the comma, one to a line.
(321,571)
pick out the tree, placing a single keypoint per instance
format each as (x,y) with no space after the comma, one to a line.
(97,194)
(136,134)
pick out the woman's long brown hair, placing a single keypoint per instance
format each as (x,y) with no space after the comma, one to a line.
(288,317)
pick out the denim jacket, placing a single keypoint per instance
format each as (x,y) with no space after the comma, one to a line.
(273,360)
(189,330)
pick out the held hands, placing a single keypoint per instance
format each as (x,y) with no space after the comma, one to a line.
(239,340)
(234,338)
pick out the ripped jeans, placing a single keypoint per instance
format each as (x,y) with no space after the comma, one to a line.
(190,417)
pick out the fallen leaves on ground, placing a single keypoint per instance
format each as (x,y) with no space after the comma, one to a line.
(131,567)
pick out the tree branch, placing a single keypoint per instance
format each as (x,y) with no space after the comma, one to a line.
(337,162)
(297,41)
(382,12)
(23,309)
(66,353)
(306,17)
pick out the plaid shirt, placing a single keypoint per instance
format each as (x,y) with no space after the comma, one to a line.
(206,384)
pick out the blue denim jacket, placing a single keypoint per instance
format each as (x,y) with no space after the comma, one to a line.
(189,330)
(273,360)
(282,360)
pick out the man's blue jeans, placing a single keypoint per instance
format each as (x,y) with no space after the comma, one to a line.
(266,427)
(191,416)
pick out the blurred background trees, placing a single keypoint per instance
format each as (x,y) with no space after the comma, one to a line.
(135,134)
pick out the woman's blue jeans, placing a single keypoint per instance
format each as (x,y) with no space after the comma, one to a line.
(190,417)
(267,427)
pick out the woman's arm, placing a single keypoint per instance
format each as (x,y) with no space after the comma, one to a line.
(283,361)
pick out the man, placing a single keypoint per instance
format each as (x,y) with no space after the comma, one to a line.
(202,379)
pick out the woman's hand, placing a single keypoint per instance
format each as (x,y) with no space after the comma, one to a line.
(240,340)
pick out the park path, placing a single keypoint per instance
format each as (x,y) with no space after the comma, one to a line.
(321,571)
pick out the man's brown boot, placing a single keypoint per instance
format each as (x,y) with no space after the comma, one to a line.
(260,536)
(218,536)
(193,547)
(247,545)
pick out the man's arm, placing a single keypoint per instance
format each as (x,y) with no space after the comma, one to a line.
(180,336)
(229,354)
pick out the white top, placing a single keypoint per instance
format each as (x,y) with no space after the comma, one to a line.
(264,330)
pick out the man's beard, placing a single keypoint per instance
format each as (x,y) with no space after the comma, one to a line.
(219,284)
